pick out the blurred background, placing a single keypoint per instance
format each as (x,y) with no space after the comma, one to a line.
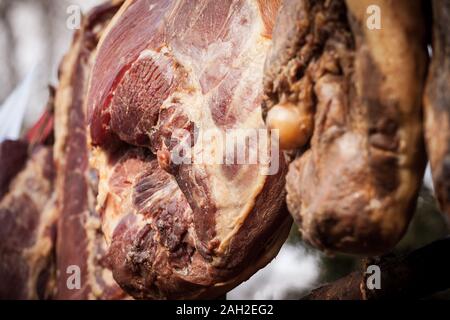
(34,37)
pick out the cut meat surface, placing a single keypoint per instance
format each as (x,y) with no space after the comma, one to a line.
(197,54)
(138,97)
(189,229)
(151,245)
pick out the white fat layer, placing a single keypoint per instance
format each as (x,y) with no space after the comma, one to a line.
(233,203)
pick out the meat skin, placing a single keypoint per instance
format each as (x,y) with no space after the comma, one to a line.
(437,104)
(79,239)
(353,185)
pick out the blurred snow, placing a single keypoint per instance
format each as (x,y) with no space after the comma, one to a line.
(32,49)
(26,22)
(428,179)
(292,272)
(16,107)
(85,5)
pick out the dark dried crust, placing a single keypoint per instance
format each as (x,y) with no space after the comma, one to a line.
(354,189)
(308,34)
(437,104)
